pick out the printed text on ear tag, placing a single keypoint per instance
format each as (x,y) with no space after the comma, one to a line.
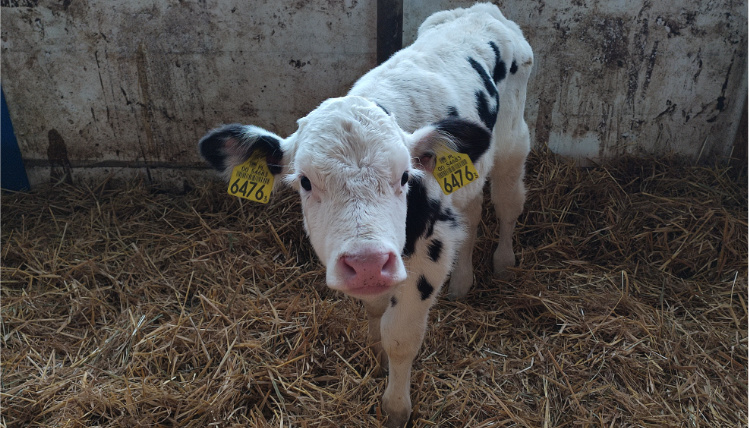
(453,170)
(252,179)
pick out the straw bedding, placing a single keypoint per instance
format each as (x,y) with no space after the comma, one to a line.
(131,306)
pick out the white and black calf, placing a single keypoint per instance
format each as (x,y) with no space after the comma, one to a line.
(376,217)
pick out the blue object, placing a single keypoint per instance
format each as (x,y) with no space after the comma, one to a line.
(12,171)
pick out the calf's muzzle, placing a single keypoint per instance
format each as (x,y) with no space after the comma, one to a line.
(369,270)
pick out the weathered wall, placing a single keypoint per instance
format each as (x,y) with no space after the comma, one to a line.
(614,77)
(96,86)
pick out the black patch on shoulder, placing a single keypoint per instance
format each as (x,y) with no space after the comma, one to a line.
(491,88)
(500,68)
(514,67)
(430,228)
(425,288)
(471,138)
(393,301)
(435,249)
(421,214)
(448,216)
(452,111)
(212,147)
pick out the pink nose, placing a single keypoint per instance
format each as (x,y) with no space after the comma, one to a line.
(368,272)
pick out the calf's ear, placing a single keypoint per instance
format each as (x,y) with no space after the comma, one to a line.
(456,134)
(230,145)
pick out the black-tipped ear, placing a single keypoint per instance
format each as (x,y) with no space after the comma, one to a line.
(458,134)
(230,145)
(471,138)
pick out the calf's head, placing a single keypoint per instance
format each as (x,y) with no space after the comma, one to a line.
(351,164)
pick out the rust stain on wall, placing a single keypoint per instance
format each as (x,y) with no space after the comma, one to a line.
(57,155)
(543,120)
(146,104)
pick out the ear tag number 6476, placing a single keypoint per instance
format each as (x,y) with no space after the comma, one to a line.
(252,179)
(453,170)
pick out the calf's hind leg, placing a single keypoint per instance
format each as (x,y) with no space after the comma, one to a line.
(508,196)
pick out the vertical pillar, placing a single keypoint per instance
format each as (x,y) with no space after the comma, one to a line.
(389,28)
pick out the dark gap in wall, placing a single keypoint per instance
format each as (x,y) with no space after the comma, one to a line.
(389,28)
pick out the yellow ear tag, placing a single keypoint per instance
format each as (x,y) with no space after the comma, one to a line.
(252,180)
(453,170)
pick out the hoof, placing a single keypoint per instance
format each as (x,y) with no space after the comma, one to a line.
(459,285)
(501,261)
(398,412)
(398,421)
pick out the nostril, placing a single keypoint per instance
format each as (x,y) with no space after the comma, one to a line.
(346,268)
(391,265)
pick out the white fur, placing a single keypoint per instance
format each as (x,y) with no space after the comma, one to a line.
(356,194)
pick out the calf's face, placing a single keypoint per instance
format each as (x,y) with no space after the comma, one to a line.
(351,164)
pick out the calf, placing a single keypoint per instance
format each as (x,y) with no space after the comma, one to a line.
(362,164)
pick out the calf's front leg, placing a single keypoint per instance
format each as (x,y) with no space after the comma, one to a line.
(375,309)
(461,277)
(403,326)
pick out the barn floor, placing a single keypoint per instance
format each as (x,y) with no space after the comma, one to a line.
(137,307)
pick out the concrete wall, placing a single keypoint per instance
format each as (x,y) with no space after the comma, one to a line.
(98,87)
(101,85)
(636,76)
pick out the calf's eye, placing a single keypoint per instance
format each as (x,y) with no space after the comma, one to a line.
(404,178)
(306,185)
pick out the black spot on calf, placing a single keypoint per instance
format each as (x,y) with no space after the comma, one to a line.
(448,216)
(491,88)
(420,216)
(425,288)
(500,68)
(383,108)
(212,144)
(393,301)
(435,249)
(452,111)
(487,114)
(471,138)
(213,147)
(514,67)
(273,154)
